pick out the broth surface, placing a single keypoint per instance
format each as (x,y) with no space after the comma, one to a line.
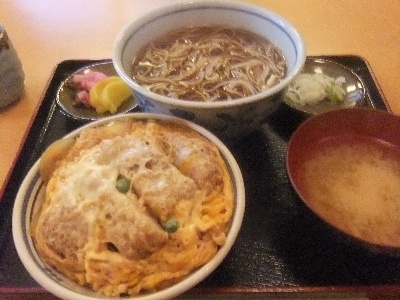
(355,186)
(209,63)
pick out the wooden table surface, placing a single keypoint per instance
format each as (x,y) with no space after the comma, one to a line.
(47,32)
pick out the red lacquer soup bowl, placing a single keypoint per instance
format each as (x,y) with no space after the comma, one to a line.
(345,166)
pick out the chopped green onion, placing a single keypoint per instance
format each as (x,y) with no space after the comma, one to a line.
(310,89)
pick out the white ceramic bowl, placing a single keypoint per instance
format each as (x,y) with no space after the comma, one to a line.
(224,118)
(31,195)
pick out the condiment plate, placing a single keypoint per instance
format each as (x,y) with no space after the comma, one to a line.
(66,94)
(353,86)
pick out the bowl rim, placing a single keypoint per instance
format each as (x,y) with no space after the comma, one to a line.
(281,22)
(23,240)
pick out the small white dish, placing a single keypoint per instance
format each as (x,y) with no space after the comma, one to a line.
(354,87)
(66,94)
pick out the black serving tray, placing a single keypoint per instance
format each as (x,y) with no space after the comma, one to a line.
(282,246)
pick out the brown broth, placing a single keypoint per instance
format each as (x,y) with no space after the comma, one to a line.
(209,63)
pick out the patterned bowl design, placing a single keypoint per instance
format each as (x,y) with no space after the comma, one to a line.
(227,119)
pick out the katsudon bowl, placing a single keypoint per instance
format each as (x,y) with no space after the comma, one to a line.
(227,118)
(48,262)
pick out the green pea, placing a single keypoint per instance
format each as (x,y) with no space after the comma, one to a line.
(171,225)
(122,185)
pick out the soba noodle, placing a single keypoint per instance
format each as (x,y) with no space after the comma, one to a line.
(209,64)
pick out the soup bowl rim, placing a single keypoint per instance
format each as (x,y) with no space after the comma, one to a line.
(370,116)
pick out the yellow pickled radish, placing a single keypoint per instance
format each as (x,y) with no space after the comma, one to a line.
(95,96)
(115,93)
(104,104)
(108,94)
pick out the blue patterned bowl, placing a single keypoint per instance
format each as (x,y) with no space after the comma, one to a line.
(227,119)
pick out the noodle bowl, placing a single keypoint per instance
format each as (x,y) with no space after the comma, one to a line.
(209,63)
(198,81)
